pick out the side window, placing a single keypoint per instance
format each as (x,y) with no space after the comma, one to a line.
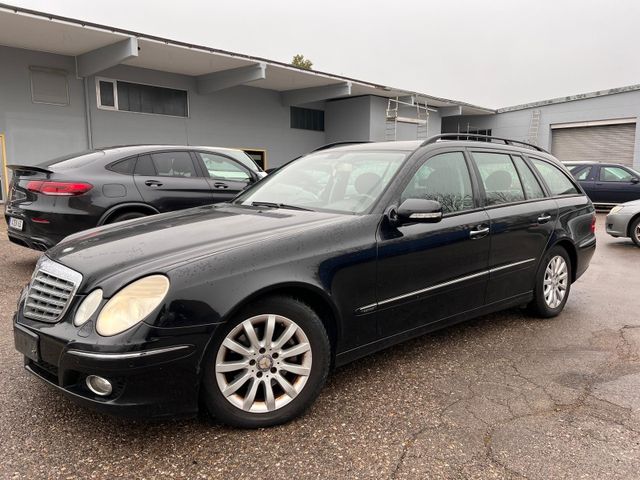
(581,174)
(532,188)
(500,178)
(123,166)
(144,166)
(224,168)
(174,164)
(615,174)
(444,178)
(558,182)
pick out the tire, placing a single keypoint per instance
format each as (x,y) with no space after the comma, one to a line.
(545,303)
(126,216)
(248,376)
(634,231)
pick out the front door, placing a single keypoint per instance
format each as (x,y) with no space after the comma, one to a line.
(429,272)
(226,176)
(171,181)
(616,184)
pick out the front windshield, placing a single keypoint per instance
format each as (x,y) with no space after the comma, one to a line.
(347,181)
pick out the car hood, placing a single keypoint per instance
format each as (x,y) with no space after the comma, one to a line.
(160,241)
(633,203)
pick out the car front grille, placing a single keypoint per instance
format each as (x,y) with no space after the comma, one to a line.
(50,292)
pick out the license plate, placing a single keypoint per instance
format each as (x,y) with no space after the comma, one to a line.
(16,223)
(26,342)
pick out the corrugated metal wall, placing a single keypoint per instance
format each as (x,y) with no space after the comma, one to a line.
(610,143)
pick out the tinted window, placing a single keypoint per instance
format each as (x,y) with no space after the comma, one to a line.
(500,178)
(558,182)
(134,97)
(124,166)
(224,168)
(144,166)
(581,173)
(174,164)
(615,174)
(307,119)
(532,188)
(444,178)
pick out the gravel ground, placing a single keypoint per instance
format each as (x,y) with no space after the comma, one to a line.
(504,396)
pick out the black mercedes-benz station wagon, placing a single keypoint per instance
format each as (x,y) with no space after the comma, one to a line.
(56,198)
(244,307)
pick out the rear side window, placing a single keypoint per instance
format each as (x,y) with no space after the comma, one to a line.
(532,188)
(144,166)
(500,178)
(124,166)
(444,178)
(558,182)
(174,164)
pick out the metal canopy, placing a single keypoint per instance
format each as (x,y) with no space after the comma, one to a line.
(32,30)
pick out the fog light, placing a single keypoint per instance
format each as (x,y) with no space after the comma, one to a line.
(98,385)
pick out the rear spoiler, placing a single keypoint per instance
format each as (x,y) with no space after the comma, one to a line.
(27,168)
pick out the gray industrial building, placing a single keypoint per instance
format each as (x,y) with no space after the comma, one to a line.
(68,85)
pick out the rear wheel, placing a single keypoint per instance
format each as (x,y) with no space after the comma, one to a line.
(553,283)
(126,216)
(634,231)
(267,365)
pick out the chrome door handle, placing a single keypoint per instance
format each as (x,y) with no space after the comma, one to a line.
(153,183)
(482,232)
(220,185)
(544,218)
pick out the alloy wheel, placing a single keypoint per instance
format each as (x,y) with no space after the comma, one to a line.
(556,277)
(263,363)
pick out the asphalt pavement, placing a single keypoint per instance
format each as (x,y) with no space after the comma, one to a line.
(503,396)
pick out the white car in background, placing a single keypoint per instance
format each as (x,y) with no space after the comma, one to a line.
(624,221)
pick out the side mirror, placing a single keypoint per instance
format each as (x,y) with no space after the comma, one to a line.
(635,180)
(418,210)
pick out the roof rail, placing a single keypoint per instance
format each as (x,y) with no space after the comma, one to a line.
(338,144)
(479,138)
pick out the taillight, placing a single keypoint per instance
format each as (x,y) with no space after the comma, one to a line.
(593,224)
(58,188)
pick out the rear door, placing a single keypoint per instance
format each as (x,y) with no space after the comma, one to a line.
(586,175)
(171,180)
(521,217)
(226,176)
(617,184)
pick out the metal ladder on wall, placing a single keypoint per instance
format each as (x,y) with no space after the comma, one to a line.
(393,117)
(534,127)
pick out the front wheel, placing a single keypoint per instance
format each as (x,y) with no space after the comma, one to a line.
(267,365)
(634,231)
(553,283)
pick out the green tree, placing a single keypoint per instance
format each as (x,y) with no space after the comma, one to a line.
(301,62)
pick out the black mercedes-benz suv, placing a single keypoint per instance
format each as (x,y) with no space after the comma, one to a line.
(244,307)
(54,199)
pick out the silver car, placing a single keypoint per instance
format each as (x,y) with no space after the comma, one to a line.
(624,221)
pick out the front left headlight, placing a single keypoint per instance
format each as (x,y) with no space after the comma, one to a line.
(616,209)
(132,304)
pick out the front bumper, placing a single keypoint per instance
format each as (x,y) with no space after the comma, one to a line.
(158,377)
(617,224)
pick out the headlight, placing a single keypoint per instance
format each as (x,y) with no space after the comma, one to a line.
(132,304)
(88,307)
(616,209)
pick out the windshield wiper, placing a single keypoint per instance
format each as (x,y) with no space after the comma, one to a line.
(280,205)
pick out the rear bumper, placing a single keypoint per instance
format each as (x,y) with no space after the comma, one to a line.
(584,252)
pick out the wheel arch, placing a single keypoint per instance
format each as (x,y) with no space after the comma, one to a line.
(571,250)
(124,208)
(631,220)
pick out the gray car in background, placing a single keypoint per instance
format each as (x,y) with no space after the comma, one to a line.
(624,221)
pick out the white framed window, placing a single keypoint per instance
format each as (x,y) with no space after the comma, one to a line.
(126,96)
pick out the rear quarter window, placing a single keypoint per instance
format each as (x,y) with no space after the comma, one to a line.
(557,181)
(125,166)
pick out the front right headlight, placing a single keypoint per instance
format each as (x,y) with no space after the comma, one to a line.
(132,304)
(616,209)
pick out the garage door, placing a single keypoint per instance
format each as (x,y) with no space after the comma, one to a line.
(603,143)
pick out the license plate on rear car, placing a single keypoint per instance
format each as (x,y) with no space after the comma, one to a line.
(16,223)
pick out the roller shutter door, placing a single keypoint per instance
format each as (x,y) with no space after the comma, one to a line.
(601,143)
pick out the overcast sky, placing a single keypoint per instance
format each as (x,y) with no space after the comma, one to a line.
(493,53)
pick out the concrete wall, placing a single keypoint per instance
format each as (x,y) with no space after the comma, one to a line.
(515,124)
(35,132)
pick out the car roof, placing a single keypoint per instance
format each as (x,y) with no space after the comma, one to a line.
(121,150)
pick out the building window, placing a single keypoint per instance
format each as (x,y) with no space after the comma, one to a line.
(139,98)
(307,119)
(49,86)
